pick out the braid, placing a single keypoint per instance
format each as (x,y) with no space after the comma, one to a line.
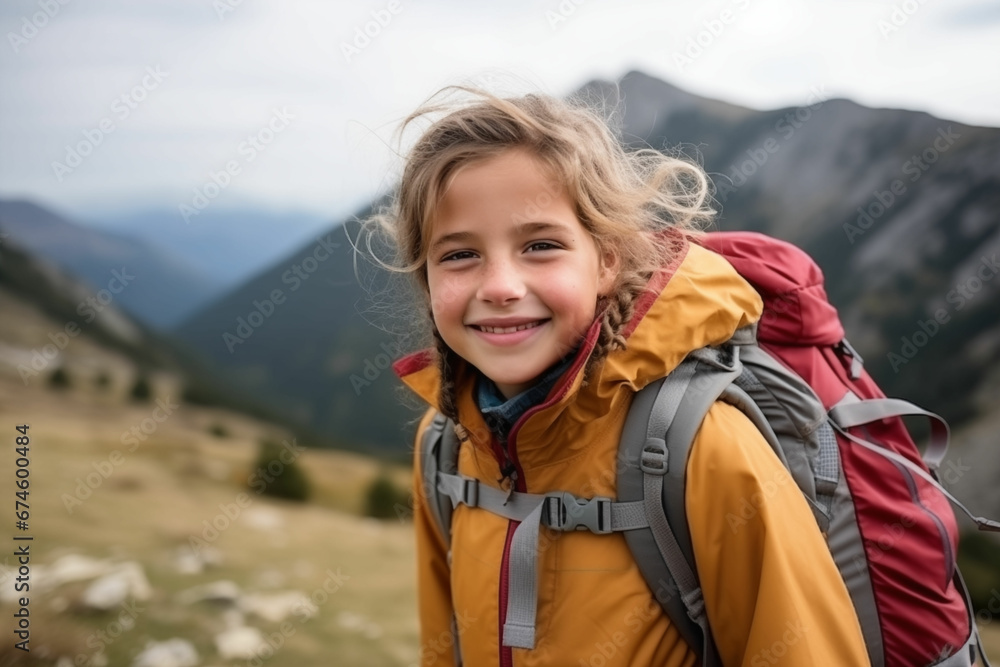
(618,311)
(619,307)
(446,394)
(610,337)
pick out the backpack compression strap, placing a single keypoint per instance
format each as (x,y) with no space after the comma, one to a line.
(852,412)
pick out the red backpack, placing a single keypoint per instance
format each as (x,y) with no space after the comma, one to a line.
(886,518)
(898,552)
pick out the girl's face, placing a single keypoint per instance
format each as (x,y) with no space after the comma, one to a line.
(514,277)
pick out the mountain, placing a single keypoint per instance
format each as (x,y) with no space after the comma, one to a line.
(158,287)
(227,245)
(53,321)
(896,206)
(304,335)
(77,313)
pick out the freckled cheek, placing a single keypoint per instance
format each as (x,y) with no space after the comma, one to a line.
(447,299)
(573,303)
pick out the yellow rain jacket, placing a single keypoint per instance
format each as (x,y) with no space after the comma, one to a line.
(773,595)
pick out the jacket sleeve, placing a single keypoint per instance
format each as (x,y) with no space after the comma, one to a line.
(434,606)
(773,594)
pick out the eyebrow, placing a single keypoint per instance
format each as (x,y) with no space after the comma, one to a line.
(520,229)
(454,237)
(529,227)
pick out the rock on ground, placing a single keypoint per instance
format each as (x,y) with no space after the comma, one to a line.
(223,591)
(128,580)
(170,653)
(240,643)
(276,607)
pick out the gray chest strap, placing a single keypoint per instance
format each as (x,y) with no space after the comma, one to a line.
(558,511)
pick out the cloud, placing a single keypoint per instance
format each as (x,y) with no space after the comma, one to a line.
(230,70)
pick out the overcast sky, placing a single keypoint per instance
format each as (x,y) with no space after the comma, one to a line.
(162,93)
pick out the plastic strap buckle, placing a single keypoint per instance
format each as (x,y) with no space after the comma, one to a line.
(653,458)
(695,603)
(470,492)
(566,512)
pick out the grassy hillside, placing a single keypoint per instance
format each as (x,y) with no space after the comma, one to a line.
(151,505)
(52,320)
(157,498)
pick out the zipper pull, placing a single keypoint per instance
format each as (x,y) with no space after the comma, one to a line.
(510,477)
(510,493)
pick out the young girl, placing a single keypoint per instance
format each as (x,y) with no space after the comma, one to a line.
(560,279)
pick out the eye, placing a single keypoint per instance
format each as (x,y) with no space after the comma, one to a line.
(456,256)
(537,246)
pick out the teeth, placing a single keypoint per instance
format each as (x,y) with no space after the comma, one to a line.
(508,330)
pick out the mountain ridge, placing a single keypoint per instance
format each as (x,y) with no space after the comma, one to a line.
(799,173)
(166,288)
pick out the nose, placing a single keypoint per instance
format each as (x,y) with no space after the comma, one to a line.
(501,283)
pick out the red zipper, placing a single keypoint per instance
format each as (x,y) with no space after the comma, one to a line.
(506,653)
(520,485)
(659,281)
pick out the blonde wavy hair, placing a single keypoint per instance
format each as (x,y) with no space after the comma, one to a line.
(623,197)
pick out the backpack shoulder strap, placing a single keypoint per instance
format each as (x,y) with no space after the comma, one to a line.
(439,453)
(763,391)
(653,453)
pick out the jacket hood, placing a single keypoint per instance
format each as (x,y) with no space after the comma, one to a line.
(696,300)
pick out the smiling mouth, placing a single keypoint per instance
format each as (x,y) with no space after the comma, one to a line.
(508,330)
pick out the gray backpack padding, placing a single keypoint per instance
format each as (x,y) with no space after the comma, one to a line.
(781,406)
(439,453)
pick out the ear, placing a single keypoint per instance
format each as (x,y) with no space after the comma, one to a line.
(607,271)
